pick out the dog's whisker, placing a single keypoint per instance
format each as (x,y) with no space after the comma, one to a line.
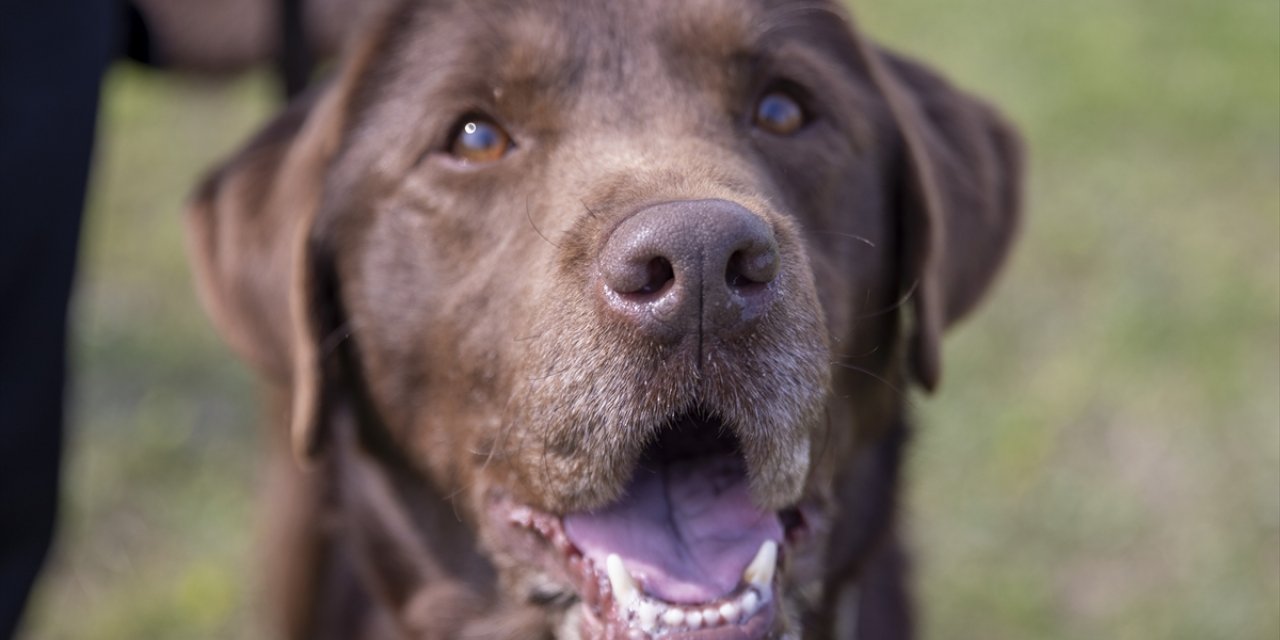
(851,356)
(825,436)
(334,339)
(527,338)
(875,376)
(897,304)
(449,497)
(504,430)
(853,236)
(528,215)
(550,374)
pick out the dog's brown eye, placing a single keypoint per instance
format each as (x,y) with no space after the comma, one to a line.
(779,114)
(479,140)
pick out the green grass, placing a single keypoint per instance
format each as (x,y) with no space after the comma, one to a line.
(1102,461)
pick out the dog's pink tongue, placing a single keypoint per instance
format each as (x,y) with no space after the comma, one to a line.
(687,529)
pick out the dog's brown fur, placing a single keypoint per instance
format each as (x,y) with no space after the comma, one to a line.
(432,332)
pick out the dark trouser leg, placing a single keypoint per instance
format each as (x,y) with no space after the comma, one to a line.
(52,54)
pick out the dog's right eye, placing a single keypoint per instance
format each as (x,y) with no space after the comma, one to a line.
(779,113)
(478,139)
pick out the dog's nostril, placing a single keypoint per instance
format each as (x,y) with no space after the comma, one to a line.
(642,280)
(748,269)
(659,274)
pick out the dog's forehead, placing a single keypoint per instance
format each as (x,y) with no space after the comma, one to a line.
(571,42)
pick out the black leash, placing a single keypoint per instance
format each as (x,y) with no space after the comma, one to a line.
(294,58)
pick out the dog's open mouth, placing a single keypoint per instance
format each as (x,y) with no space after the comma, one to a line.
(685,553)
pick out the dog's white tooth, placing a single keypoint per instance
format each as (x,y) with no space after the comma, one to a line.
(693,619)
(729,611)
(673,617)
(760,571)
(624,588)
(647,611)
(750,603)
(711,616)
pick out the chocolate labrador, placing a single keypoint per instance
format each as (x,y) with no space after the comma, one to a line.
(597,320)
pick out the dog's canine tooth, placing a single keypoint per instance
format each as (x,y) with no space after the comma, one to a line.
(760,571)
(624,588)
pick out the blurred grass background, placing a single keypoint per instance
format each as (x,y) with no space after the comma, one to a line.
(1103,460)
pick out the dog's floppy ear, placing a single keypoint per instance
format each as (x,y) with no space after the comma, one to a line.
(249,237)
(959,194)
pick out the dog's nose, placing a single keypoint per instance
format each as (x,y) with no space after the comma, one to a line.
(687,266)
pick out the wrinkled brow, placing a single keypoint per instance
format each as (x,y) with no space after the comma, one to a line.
(710,29)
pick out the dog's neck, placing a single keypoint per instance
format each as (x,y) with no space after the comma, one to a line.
(416,560)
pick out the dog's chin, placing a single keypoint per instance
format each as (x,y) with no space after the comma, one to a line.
(684,553)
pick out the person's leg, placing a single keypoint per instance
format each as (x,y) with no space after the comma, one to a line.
(52,54)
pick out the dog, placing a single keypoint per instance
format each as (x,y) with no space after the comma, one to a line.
(597,320)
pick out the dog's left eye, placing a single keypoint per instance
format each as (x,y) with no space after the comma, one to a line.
(478,139)
(779,113)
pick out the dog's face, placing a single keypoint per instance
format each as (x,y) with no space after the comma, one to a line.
(624,282)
